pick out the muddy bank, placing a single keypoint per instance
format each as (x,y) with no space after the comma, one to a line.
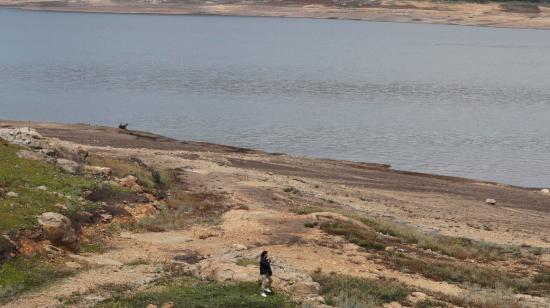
(507,15)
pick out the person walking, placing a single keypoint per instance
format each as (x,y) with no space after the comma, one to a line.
(265,273)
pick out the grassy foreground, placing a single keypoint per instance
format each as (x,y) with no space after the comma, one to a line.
(26,273)
(191,292)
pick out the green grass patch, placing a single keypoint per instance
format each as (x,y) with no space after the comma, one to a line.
(457,247)
(361,237)
(347,291)
(23,177)
(306,210)
(248,261)
(26,273)
(191,292)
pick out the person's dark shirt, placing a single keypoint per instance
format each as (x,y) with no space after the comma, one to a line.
(265,267)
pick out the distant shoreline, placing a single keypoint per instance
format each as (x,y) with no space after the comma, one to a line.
(498,15)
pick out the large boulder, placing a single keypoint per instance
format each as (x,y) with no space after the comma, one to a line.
(7,248)
(59,230)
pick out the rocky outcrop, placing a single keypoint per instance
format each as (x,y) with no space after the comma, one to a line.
(24,136)
(59,230)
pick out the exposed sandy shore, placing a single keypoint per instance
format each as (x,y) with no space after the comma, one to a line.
(526,15)
(259,181)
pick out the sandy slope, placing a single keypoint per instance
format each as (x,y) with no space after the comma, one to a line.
(491,14)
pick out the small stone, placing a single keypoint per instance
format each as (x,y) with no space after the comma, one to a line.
(69,166)
(98,171)
(136,188)
(545,191)
(12,194)
(43,188)
(132,178)
(152,306)
(106,218)
(60,206)
(168,305)
(491,201)
(239,247)
(71,264)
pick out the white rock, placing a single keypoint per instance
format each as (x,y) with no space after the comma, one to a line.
(25,136)
(42,187)
(12,194)
(239,247)
(545,191)
(491,201)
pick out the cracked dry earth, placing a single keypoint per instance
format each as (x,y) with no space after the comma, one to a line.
(258,180)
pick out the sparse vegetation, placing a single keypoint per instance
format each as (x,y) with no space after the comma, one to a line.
(430,303)
(456,247)
(347,291)
(468,274)
(306,210)
(190,292)
(361,237)
(247,261)
(183,209)
(123,167)
(25,273)
(311,224)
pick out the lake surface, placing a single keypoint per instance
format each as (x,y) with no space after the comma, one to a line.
(464,101)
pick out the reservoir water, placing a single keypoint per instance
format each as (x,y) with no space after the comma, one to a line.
(464,101)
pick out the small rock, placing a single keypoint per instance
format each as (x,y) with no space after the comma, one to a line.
(71,264)
(131,178)
(69,166)
(545,191)
(106,218)
(168,305)
(60,206)
(84,217)
(239,247)
(43,188)
(152,306)
(392,305)
(136,188)
(416,297)
(98,171)
(491,201)
(12,194)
